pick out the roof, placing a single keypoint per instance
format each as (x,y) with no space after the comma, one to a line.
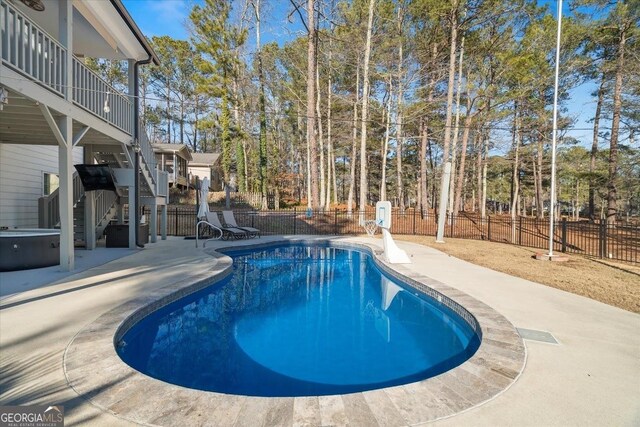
(182,149)
(101,28)
(204,159)
(135,30)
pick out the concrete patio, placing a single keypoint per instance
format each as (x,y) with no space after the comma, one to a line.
(590,378)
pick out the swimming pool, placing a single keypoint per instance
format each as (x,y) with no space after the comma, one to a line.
(299,320)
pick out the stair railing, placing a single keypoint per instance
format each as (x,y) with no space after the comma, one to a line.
(148,159)
(105,199)
(49,206)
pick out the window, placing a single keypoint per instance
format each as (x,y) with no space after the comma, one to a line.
(51,183)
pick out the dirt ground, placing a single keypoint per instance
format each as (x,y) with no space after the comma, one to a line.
(616,284)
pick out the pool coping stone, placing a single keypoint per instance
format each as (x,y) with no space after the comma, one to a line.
(95,372)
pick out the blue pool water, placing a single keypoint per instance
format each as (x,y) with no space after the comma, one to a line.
(299,321)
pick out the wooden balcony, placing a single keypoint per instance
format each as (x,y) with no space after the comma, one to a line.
(29,50)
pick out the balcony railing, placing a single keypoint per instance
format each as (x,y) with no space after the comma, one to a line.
(28,49)
(163,183)
(90,92)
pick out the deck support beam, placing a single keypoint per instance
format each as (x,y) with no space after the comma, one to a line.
(89,207)
(153,222)
(163,223)
(65,172)
(132,216)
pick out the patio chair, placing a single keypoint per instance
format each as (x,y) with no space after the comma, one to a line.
(230,220)
(227,232)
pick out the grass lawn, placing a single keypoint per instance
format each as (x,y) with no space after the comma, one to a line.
(612,283)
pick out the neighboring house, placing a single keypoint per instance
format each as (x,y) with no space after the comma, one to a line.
(56,112)
(174,159)
(207,165)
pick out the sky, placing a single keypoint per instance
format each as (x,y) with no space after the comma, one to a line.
(170,17)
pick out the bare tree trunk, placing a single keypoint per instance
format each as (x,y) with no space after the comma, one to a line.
(329,145)
(422,187)
(385,144)
(308,164)
(514,168)
(399,136)
(594,149)
(354,139)
(539,198)
(515,179)
(314,196)
(323,187)
(456,207)
(424,132)
(262,156)
(432,166)
(612,193)
(365,111)
(452,67)
(536,189)
(452,71)
(485,161)
(333,177)
(456,131)
(195,123)
(576,213)
(330,163)
(478,149)
(181,121)
(168,112)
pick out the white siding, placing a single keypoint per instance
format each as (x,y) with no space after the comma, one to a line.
(200,172)
(22,169)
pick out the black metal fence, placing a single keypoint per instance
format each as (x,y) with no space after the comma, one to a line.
(618,242)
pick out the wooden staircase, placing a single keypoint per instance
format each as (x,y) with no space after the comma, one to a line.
(106,211)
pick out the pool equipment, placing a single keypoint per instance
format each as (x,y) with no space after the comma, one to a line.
(392,252)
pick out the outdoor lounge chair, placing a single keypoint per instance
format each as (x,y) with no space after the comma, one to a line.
(230,220)
(227,232)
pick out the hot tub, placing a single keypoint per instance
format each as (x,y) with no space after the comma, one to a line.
(24,248)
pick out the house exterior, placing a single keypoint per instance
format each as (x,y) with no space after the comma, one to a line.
(174,159)
(207,165)
(56,113)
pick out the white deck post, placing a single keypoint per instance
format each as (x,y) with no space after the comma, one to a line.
(65,147)
(153,222)
(130,83)
(65,160)
(163,224)
(89,208)
(120,212)
(132,216)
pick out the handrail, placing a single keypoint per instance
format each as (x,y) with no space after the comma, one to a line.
(90,91)
(162,186)
(49,206)
(104,202)
(29,49)
(146,150)
(198,232)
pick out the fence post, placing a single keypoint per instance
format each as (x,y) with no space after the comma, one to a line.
(414,221)
(176,222)
(603,239)
(519,231)
(335,222)
(489,227)
(253,218)
(564,235)
(451,226)
(294,220)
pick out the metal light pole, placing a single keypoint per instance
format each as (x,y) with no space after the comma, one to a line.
(552,203)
